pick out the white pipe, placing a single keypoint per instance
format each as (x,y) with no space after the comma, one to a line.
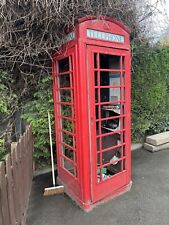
(51,151)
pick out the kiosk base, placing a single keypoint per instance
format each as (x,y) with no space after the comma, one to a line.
(88,207)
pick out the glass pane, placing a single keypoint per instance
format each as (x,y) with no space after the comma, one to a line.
(68,152)
(64,80)
(95,60)
(66,110)
(123,62)
(109,110)
(96,95)
(68,139)
(111,125)
(109,78)
(63,65)
(110,140)
(68,125)
(110,94)
(103,174)
(114,169)
(111,156)
(114,79)
(65,95)
(98,159)
(96,78)
(109,61)
(98,144)
(97,111)
(68,166)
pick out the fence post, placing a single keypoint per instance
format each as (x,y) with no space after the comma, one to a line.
(10,189)
(1,216)
(4,195)
(15,181)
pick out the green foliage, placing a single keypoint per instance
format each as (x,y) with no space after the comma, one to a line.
(35,112)
(8,105)
(150,97)
(2,149)
(8,100)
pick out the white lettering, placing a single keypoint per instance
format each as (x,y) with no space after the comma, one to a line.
(105,36)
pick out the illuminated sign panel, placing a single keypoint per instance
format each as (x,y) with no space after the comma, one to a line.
(105,36)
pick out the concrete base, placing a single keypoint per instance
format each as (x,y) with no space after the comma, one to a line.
(153,148)
(158,139)
(112,196)
(87,207)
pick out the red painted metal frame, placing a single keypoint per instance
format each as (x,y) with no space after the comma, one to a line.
(84,188)
(105,188)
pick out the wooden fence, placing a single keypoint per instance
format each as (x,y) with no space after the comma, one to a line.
(15,181)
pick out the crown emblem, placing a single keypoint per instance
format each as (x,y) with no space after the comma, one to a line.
(106,25)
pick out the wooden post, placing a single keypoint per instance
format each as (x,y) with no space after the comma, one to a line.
(10,189)
(4,195)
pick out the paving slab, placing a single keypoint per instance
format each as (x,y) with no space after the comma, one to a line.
(146,204)
(158,139)
(153,148)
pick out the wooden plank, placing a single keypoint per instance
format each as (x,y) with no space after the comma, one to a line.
(28,168)
(15,181)
(1,216)
(19,178)
(24,167)
(10,186)
(21,174)
(29,153)
(27,162)
(4,196)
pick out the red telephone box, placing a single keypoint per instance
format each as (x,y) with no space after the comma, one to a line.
(91,87)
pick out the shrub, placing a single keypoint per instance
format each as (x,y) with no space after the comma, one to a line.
(2,149)
(8,100)
(8,105)
(150,97)
(35,112)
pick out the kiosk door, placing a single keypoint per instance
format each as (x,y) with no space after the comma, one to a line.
(109,105)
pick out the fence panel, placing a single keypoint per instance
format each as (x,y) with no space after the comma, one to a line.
(10,190)
(4,195)
(15,181)
(1,222)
